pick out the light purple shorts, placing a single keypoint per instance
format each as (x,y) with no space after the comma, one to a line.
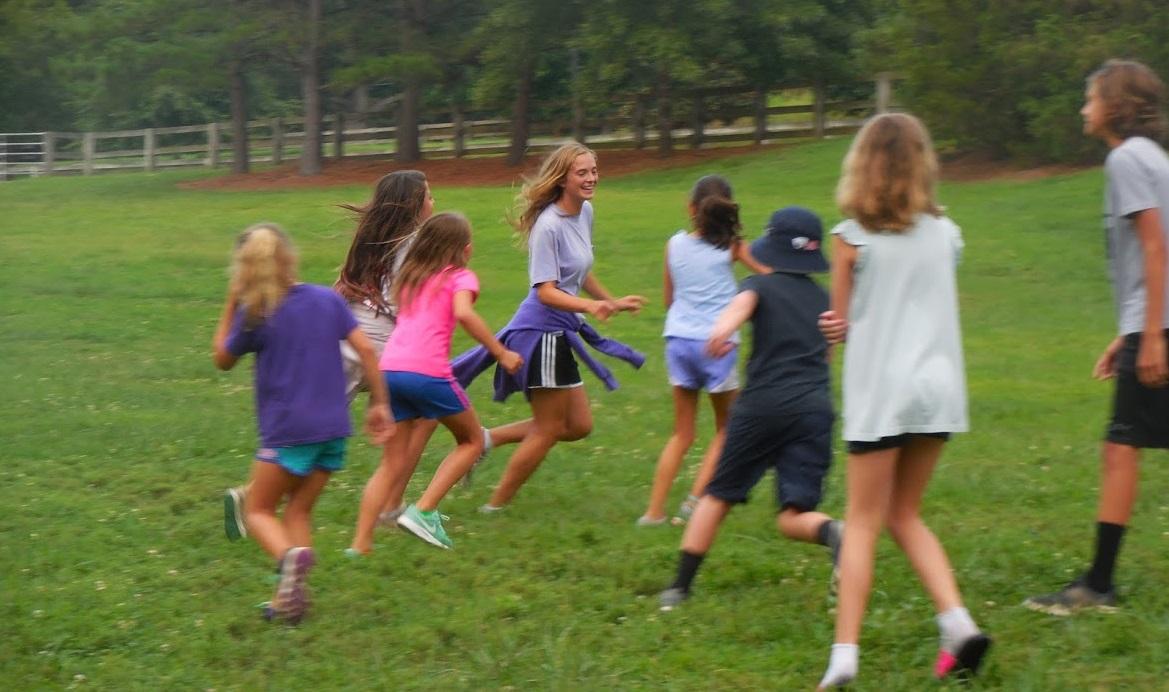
(690,367)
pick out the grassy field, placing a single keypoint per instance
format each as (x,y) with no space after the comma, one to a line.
(119,437)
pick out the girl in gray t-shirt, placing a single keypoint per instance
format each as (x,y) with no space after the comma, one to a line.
(894,292)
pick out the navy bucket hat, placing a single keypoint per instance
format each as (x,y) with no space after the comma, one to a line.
(791,242)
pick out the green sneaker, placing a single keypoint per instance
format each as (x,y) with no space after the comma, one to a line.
(1074,597)
(233,513)
(425,525)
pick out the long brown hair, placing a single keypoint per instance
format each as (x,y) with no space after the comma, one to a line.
(716,216)
(547,185)
(383,224)
(440,245)
(1133,97)
(263,268)
(890,174)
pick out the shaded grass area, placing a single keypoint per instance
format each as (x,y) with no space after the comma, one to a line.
(120,437)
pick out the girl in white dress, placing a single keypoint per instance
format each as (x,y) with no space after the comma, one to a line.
(894,294)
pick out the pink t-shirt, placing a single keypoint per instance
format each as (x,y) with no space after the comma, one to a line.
(421,340)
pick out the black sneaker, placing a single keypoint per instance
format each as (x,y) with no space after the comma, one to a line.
(1072,598)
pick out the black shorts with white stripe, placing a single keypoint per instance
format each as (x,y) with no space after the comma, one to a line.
(553,366)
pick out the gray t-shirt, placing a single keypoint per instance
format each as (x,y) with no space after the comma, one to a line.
(560,248)
(1138,179)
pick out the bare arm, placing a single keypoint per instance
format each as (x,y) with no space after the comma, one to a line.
(224,359)
(733,317)
(631,303)
(667,282)
(474,325)
(379,424)
(834,323)
(743,254)
(1152,369)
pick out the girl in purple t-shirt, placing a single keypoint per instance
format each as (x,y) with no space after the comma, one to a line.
(434,290)
(301,407)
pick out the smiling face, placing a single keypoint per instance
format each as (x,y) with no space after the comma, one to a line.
(581,180)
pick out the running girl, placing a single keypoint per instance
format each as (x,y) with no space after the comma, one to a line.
(303,415)
(434,290)
(556,220)
(894,290)
(699,283)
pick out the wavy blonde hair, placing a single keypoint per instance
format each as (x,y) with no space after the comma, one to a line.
(547,185)
(440,245)
(263,268)
(890,174)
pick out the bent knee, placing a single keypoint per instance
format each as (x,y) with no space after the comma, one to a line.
(571,433)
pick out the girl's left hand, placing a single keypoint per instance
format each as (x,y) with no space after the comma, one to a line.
(379,424)
(511,362)
(632,304)
(1152,368)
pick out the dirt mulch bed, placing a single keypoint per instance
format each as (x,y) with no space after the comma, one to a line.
(975,167)
(455,172)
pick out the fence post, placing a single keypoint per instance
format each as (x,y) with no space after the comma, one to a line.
(760,116)
(3,157)
(699,123)
(884,92)
(277,141)
(212,145)
(457,122)
(818,120)
(148,149)
(88,144)
(339,135)
(48,152)
(638,122)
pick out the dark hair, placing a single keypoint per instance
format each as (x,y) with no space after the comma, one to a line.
(1133,97)
(716,217)
(382,226)
(440,244)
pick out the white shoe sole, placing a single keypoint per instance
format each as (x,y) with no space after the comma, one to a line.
(420,531)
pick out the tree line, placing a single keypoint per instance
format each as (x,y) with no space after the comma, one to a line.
(1002,77)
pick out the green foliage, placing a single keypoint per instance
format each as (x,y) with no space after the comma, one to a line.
(1008,77)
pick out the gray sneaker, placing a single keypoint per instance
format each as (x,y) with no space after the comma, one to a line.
(671,598)
(487,447)
(1072,598)
(233,513)
(835,538)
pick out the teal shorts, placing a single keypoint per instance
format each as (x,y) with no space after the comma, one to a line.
(301,460)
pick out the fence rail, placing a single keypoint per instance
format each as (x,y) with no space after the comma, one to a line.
(275,140)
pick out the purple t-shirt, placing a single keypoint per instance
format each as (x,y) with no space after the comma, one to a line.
(300,385)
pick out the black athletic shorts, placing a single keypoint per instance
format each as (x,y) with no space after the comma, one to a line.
(1140,414)
(798,446)
(553,366)
(891,442)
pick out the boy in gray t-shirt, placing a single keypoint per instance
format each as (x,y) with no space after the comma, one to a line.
(1123,108)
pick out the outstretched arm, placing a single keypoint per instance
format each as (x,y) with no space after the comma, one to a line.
(667,282)
(743,254)
(834,323)
(733,317)
(474,325)
(632,303)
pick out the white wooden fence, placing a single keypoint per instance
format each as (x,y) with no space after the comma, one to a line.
(277,140)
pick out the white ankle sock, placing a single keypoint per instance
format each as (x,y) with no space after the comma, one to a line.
(955,627)
(488,445)
(842,666)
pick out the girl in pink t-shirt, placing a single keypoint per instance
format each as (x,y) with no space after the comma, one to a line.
(434,290)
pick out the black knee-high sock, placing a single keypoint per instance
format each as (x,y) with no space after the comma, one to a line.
(1108,537)
(688,564)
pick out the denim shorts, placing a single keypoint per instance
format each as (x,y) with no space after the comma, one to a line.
(302,460)
(414,395)
(690,367)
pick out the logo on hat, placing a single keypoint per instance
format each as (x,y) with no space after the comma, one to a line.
(805,243)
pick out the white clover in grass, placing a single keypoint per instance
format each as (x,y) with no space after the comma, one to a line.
(99,585)
(38,613)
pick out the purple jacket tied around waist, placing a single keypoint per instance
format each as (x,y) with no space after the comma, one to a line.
(531,321)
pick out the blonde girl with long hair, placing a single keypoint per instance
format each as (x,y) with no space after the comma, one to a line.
(434,291)
(301,407)
(555,220)
(894,294)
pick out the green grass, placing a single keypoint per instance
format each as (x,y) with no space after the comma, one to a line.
(119,437)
